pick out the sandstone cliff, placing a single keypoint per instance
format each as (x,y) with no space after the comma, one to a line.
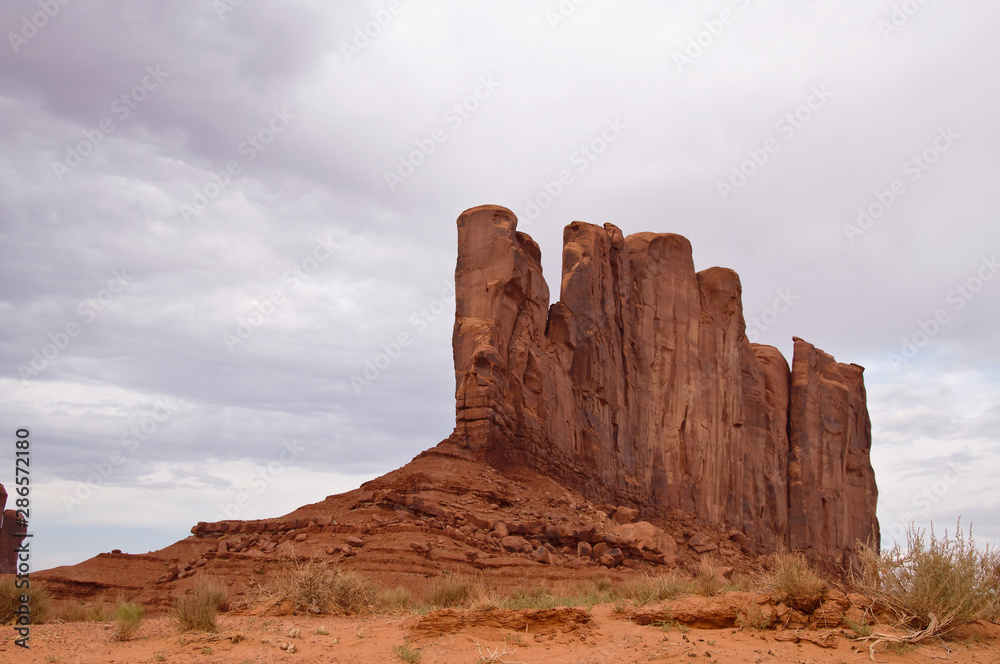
(640,387)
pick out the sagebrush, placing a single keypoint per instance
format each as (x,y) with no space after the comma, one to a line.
(933,585)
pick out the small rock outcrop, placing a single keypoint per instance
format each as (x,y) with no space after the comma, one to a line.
(12,533)
(640,387)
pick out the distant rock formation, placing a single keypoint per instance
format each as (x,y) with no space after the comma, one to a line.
(640,387)
(11,535)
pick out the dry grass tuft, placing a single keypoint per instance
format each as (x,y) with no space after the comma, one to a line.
(197,610)
(39,601)
(708,581)
(75,610)
(795,581)
(449,591)
(394,599)
(128,618)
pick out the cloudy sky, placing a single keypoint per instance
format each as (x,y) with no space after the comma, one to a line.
(218,217)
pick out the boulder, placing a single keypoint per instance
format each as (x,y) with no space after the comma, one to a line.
(515,544)
(542,555)
(645,536)
(624,515)
(702,543)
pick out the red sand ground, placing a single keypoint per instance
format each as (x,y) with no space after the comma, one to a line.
(603,638)
(439,516)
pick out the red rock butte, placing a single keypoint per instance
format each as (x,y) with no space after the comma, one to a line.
(628,428)
(640,387)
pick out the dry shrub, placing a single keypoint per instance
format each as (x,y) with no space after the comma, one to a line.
(197,609)
(78,611)
(795,581)
(935,584)
(394,599)
(486,598)
(709,580)
(317,588)
(39,601)
(534,597)
(743,583)
(654,588)
(128,618)
(450,591)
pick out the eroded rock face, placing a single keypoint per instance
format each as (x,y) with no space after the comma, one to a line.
(832,490)
(640,387)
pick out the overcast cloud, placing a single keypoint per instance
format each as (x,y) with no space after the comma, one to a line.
(214,214)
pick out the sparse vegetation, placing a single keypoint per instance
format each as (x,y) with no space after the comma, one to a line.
(39,601)
(394,599)
(669,625)
(861,629)
(794,580)
(78,611)
(198,609)
(654,588)
(932,586)
(317,588)
(496,655)
(708,581)
(128,618)
(753,617)
(450,591)
(406,653)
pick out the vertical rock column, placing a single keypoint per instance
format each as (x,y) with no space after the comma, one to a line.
(832,491)
(501,302)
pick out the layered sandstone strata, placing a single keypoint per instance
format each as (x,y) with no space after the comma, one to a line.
(640,387)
